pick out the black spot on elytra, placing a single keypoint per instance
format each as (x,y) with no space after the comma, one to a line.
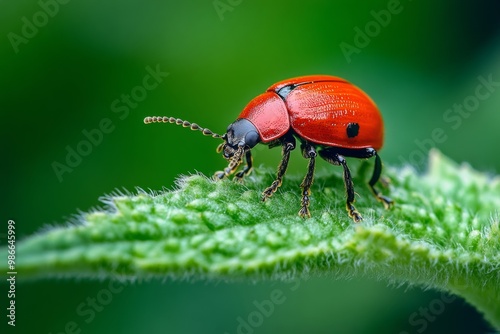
(352,130)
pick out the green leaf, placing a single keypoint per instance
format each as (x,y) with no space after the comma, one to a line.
(443,232)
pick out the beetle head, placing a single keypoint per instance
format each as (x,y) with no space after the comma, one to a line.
(241,136)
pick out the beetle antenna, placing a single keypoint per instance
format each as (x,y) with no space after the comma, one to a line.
(178,121)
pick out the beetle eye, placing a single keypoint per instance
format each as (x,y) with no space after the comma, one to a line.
(252,138)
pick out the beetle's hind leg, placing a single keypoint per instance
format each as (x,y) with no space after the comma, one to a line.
(334,158)
(288,145)
(377,170)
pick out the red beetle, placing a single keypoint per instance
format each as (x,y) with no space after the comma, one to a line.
(325,113)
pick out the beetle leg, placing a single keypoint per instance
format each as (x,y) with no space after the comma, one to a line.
(309,152)
(349,185)
(336,159)
(234,163)
(288,145)
(377,170)
(247,169)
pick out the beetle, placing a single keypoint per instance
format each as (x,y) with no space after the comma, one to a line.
(328,115)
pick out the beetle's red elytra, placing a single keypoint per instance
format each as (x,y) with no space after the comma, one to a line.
(328,115)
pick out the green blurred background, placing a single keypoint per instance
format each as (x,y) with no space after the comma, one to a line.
(64,78)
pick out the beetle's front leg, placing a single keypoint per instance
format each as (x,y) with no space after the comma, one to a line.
(248,167)
(234,163)
(230,169)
